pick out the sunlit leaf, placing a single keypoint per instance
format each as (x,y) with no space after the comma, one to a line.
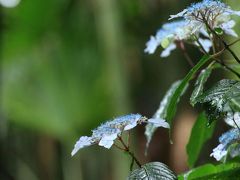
(152,171)
(227,171)
(199,135)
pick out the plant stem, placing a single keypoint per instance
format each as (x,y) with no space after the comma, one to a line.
(185,53)
(223,42)
(227,67)
(219,61)
(129,152)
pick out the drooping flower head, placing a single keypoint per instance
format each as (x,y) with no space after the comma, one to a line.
(105,134)
(212,12)
(170,34)
(226,140)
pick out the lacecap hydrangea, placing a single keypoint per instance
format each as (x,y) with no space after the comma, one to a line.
(105,134)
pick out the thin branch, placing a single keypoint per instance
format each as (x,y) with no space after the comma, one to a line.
(223,42)
(119,147)
(227,67)
(128,151)
(132,163)
(219,61)
(128,139)
(185,53)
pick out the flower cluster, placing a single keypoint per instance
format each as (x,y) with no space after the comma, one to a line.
(173,33)
(105,134)
(231,137)
(211,13)
(197,21)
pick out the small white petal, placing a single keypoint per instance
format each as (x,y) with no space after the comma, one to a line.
(204,32)
(206,43)
(234,12)
(166,52)
(81,143)
(107,140)
(218,152)
(159,122)
(178,15)
(227,28)
(130,126)
(152,45)
(233,116)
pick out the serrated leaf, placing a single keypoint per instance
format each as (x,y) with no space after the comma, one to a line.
(198,87)
(160,113)
(181,88)
(223,97)
(199,135)
(152,171)
(228,171)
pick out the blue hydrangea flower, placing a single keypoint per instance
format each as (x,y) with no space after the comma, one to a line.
(213,12)
(226,140)
(105,134)
(231,117)
(171,33)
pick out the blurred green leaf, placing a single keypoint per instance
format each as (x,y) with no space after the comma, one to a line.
(153,170)
(227,171)
(199,135)
(201,80)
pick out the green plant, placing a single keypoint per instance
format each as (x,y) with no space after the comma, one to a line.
(201,25)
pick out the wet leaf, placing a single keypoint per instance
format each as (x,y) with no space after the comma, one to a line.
(152,171)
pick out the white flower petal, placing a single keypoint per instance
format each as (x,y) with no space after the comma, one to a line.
(130,126)
(166,52)
(81,143)
(206,43)
(227,28)
(108,140)
(159,122)
(152,45)
(219,152)
(233,116)
(178,15)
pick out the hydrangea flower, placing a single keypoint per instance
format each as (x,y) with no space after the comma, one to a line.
(105,134)
(170,34)
(231,117)
(213,12)
(226,140)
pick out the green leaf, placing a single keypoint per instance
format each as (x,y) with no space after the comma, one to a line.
(181,88)
(152,171)
(201,80)
(161,112)
(227,171)
(223,97)
(199,135)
